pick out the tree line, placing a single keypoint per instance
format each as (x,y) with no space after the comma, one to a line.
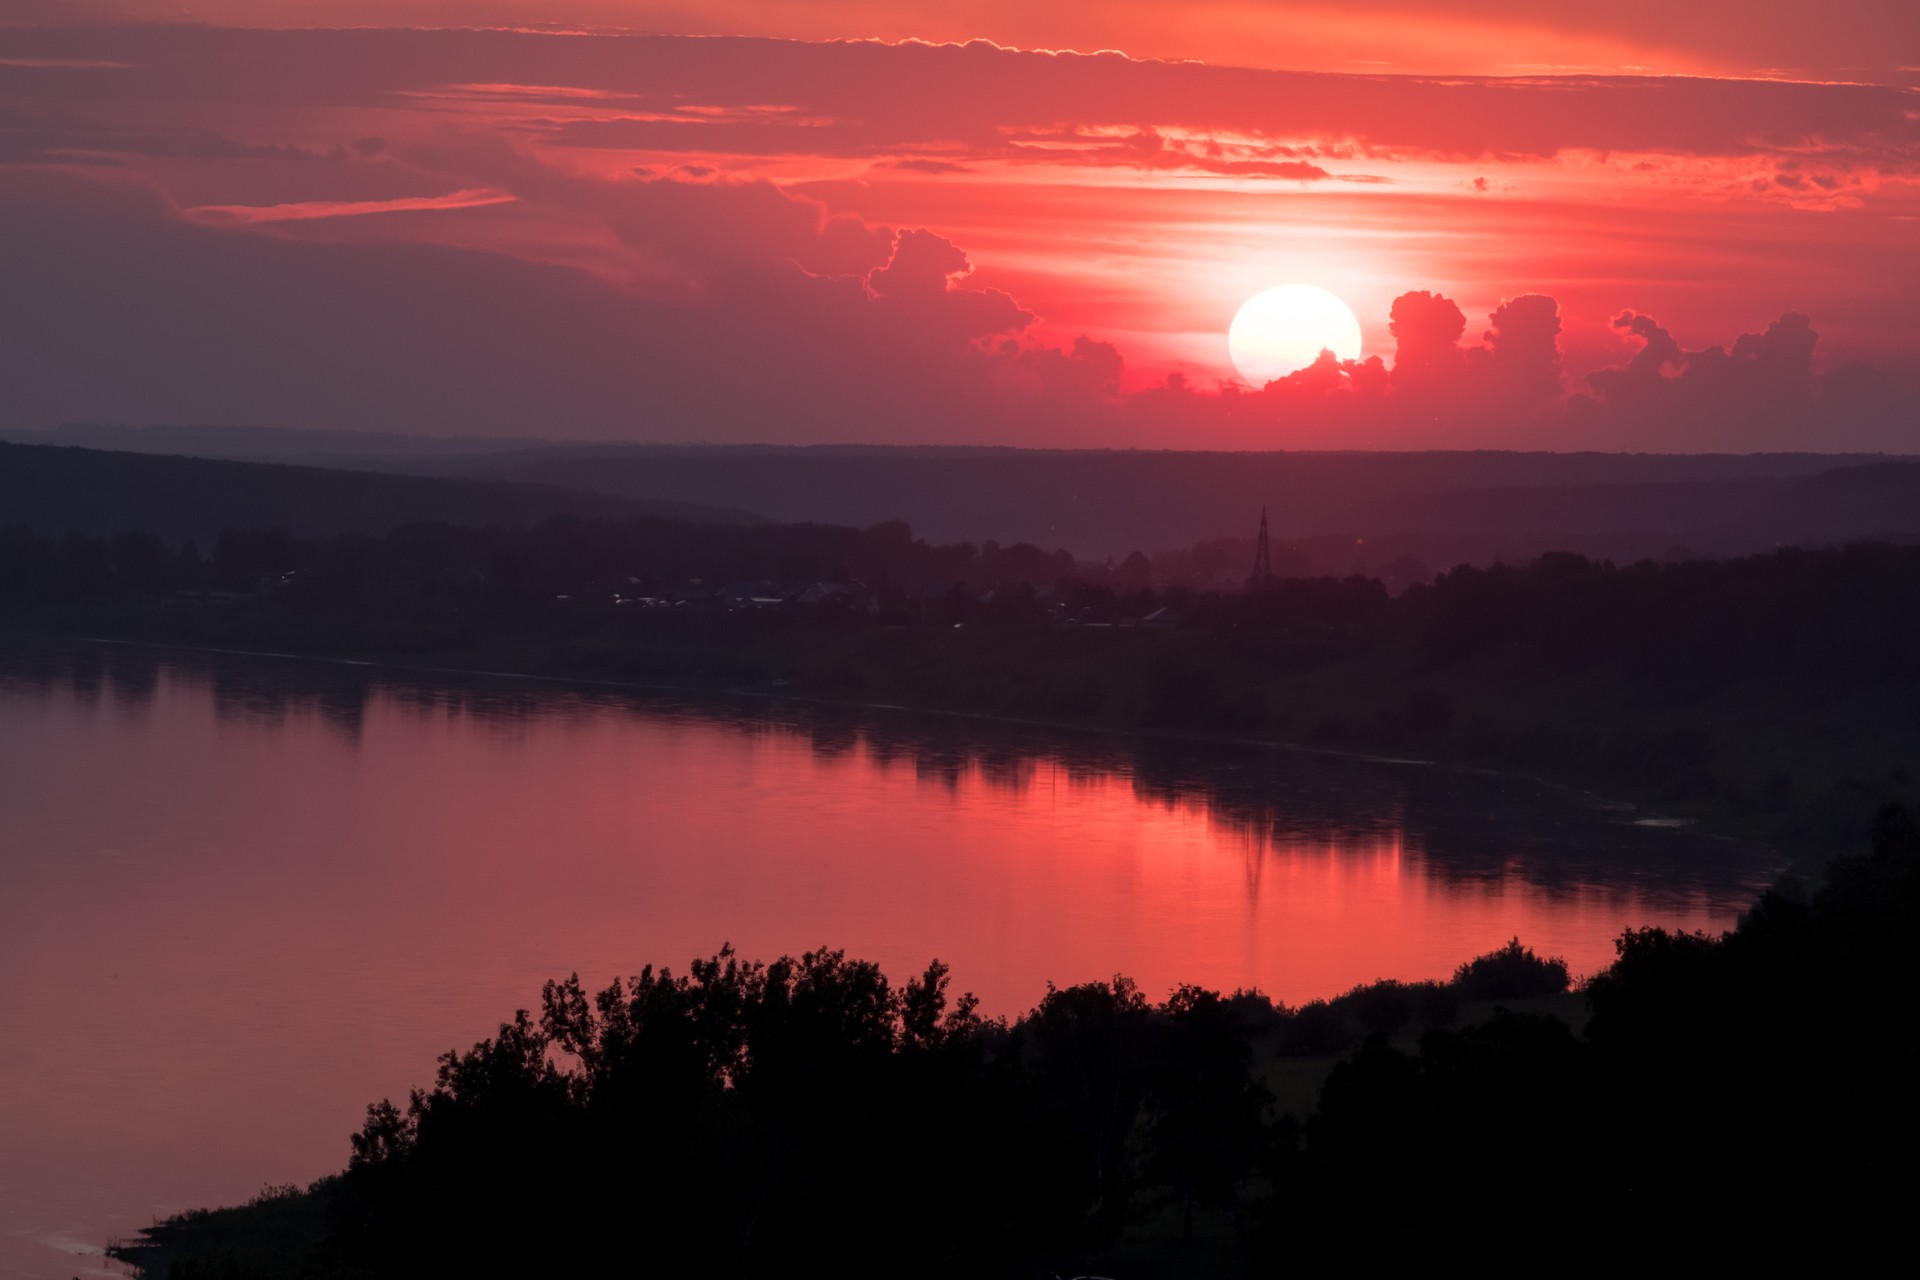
(1848,613)
(560,554)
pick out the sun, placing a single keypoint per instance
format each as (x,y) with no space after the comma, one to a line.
(1280,330)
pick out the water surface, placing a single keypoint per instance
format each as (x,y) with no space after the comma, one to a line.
(241,898)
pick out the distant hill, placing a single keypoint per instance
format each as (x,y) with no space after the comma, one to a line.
(1618,522)
(1880,499)
(1440,507)
(60,490)
(1108,503)
(353,450)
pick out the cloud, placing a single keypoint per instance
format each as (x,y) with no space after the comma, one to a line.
(1497,388)
(1084,377)
(1523,349)
(1509,391)
(868,97)
(36,133)
(1426,329)
(597,262)
(692,225)
(119,311)
(1156,150)
(309,210)
(920,284)
(1658,352)
(1722,36)
(1758,394)
(923,165)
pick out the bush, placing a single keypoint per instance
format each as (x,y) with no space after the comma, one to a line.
(1513,972)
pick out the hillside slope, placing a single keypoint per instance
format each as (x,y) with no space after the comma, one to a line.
(69,490)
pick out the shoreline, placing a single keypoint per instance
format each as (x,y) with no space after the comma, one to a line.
(1644,816)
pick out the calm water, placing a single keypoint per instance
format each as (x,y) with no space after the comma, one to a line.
(241,898)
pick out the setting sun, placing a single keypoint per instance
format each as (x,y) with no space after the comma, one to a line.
(1280,330)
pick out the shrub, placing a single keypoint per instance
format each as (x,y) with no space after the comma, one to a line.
(1513,972)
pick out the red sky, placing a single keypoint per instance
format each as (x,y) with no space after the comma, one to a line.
(831,225)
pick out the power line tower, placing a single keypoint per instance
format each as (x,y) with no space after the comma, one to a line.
(1262,558)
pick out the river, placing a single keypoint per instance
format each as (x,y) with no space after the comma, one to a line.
(240,898)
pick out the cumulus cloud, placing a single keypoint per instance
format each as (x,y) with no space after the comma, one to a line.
(923,264)
(1502,392)
(1426,331)
(1514,370)
(1523,349)
(1085,376)
(1756,394)
(920,284)
(1658,353)
(1775,363)
(1510,390)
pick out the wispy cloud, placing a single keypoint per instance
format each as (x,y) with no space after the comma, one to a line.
(309,210)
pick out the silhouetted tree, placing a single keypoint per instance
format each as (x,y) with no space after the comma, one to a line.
(1513,972)
(1206,1108)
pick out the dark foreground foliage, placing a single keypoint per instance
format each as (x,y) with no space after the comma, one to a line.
(1741,1094)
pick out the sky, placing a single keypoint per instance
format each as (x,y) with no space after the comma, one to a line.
(1635,226)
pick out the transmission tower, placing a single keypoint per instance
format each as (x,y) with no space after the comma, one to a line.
(1262,558)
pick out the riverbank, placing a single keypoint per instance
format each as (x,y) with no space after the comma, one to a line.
(1781,762)
(780,691)
(1773,695)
